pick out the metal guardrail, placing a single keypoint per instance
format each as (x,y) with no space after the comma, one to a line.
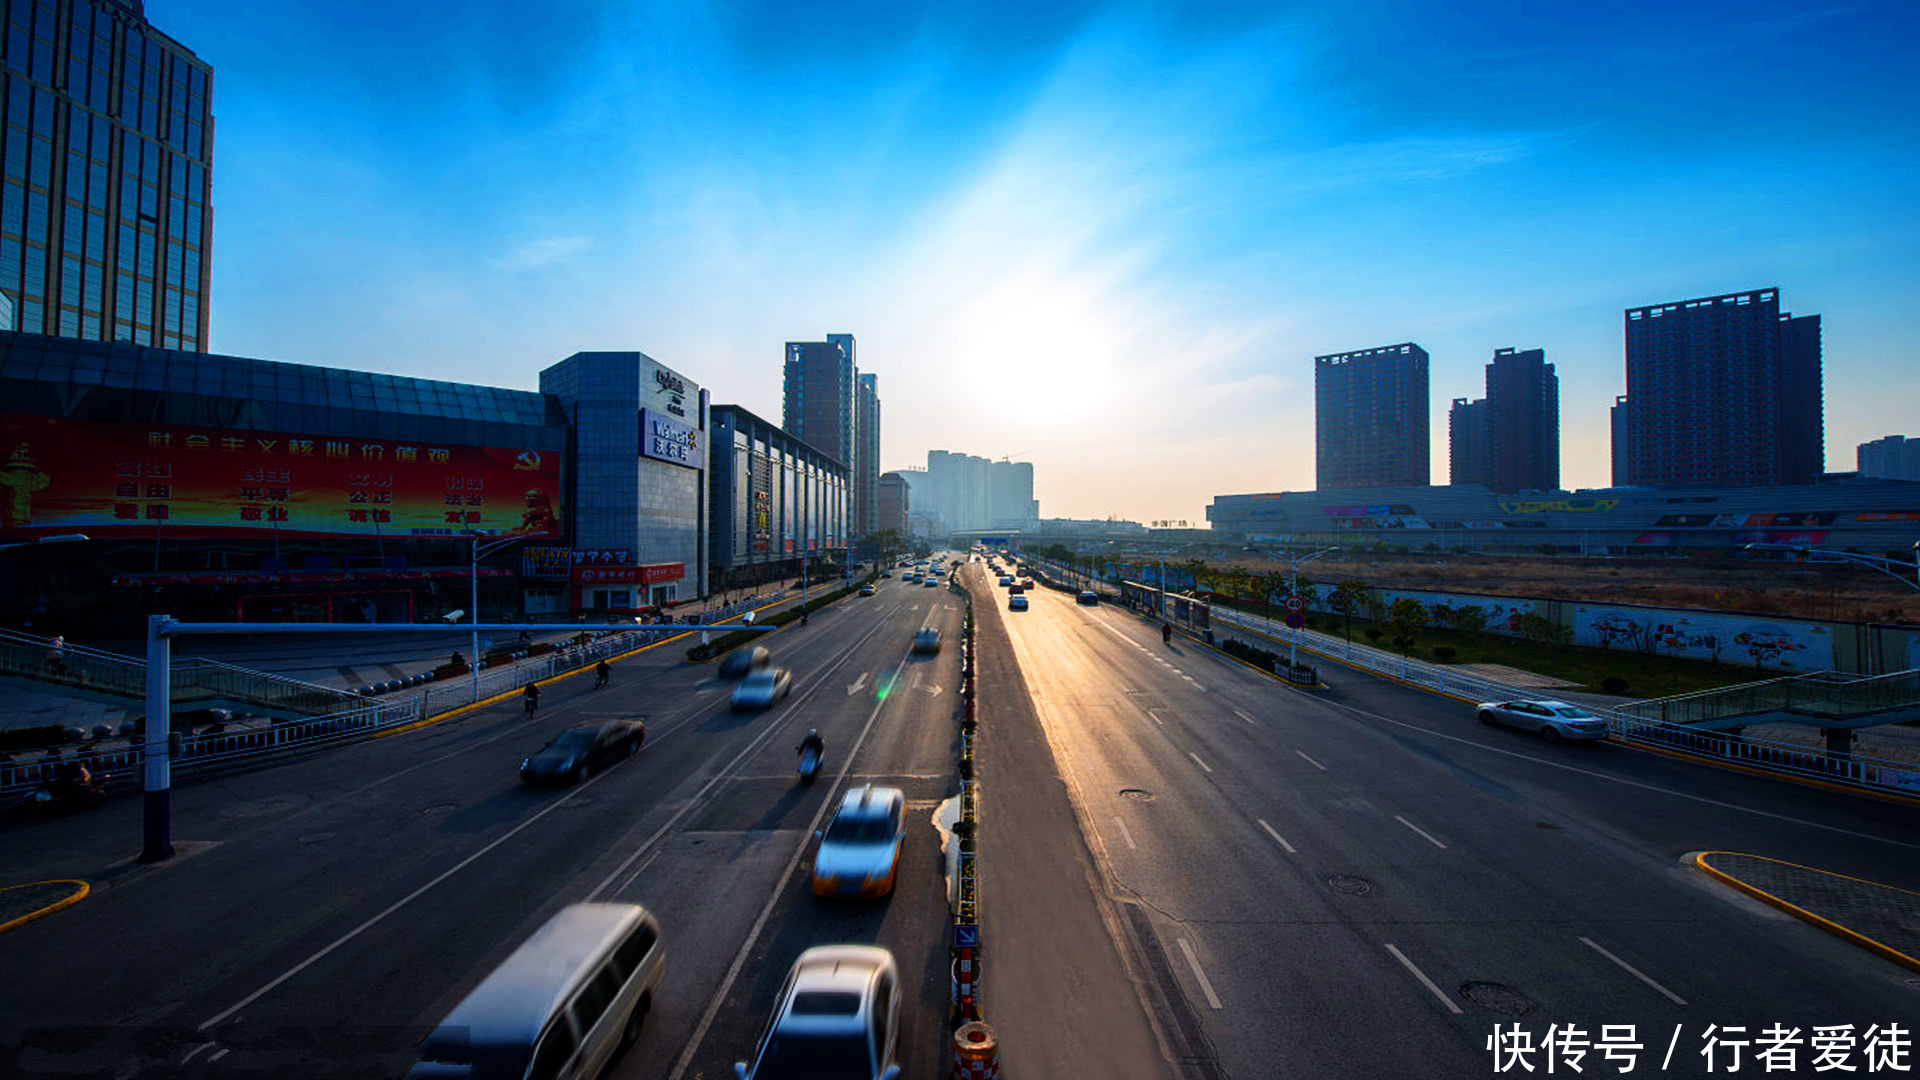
(1836,696)
(77,667)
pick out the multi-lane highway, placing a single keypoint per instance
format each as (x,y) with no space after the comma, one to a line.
(1187,870)
(323,913)
(1365,882)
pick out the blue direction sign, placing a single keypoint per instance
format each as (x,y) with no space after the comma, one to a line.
(966,935)
(1296,620)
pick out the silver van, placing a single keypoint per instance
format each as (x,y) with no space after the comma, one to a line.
(559,1007)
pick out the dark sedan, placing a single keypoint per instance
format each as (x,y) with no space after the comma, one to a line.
(577,752)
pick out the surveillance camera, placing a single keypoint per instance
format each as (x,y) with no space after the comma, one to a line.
(747,618)
(455,615)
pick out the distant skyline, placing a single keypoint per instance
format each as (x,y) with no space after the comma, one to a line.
(1106,239)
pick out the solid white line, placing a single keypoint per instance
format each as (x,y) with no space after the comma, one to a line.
(1278,839)
(217,1055)
(1155,717)
(1421,831)
(1245,717)
(1424,981)
(1213,999)
(627,884)
(1126,834)
(1634,971)
(1603,776)
(195,1052)
(1197,761)
(1310,761)
(746,947)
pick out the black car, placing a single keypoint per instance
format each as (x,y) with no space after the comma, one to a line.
(745,660)
(572,755)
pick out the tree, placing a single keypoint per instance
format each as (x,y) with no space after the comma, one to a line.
(1406,618)
(1442,615)
(1346,598)
(1537,627)
(1195,567)
(1469,617)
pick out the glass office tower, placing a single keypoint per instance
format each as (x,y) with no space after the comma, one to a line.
(105,222)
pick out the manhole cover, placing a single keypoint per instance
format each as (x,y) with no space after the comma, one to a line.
(317,838)
(439,808)
(1494,997)
(1137,793)
(1352,886)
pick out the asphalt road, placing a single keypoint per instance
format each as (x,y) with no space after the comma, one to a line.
(323,913)
(1365,883)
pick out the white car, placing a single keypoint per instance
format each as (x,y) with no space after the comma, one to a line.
(763,688)
(1552,720)
(859,853)
(838,1018)
(1016,602)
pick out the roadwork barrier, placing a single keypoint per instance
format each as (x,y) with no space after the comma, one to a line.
(976,1054)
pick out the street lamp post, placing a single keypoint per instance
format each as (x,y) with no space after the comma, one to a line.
(1293,589)
(1872,562)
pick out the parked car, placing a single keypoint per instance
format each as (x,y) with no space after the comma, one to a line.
(744,661)
(577,752)
(1551,720)
(927,640)
(1087,596)
(763,688)
(859,853)
(837,1018)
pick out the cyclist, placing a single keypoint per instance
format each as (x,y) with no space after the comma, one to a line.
(531,695)
(602,674)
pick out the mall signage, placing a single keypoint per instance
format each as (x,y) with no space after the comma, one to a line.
(665,439)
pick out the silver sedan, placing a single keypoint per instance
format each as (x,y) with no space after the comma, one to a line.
(762,688)
(1551,720)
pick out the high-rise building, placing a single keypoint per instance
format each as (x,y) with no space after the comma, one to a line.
(1723,390)
(1894,457)
(1010,502)
(105,220)
(1370,418)
(896,503)
(1523,421)
(1467,433)
(1622,441)
(866,457)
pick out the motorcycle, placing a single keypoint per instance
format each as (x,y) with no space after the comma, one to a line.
(1166,634)
(56,796)
(601,680)
(809,764)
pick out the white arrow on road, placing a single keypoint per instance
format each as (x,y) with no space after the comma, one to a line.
(854,686)
(934,690)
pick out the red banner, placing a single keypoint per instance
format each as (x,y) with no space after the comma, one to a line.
(106,478)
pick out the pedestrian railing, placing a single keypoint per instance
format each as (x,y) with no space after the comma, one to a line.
(194,680)
(1831,695)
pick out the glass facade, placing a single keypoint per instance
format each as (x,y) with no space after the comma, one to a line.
(105,176)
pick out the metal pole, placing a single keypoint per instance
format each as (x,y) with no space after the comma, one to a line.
(1293,590)
(159,774)
(473,611)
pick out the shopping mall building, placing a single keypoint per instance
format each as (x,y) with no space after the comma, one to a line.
(141,480)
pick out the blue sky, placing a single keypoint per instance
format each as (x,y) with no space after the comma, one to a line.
(1106,238)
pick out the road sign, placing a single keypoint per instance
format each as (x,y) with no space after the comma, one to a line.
(1296,620)
(966,935)
(1295,603)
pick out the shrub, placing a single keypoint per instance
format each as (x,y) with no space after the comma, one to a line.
(1373,634)
(1614,684)
(1444,653)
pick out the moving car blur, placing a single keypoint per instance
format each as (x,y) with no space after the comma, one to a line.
(577,752)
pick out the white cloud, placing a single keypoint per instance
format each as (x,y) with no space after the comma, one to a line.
(546,251)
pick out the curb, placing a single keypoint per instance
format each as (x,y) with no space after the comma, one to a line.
(1886,951)
(65,902)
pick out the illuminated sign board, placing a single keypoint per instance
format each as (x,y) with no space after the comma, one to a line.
(108,478)
(665,439)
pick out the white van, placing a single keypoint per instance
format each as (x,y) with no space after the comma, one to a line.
(559,1007)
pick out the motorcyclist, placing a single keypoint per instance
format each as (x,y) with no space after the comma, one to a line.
(531,695)
(813,741)
(602,674)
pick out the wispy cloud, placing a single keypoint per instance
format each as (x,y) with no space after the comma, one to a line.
(546,251)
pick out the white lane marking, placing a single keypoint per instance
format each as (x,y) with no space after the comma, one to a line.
(1424,981)
(854,686)
(780,887)
(1245,717)
(1421,831)
(195,1052)
(1155,717)
(934,690)
(1634,971)
(218,1054)
(1126,834)
(1213,999)
(1197,761)
(1277,838)
(1310,761)
(509,834)
(625,885)
(1603,776)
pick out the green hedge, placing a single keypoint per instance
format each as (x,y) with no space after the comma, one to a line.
(735,638)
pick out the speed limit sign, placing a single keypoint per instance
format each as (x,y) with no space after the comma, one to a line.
(1295,603)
